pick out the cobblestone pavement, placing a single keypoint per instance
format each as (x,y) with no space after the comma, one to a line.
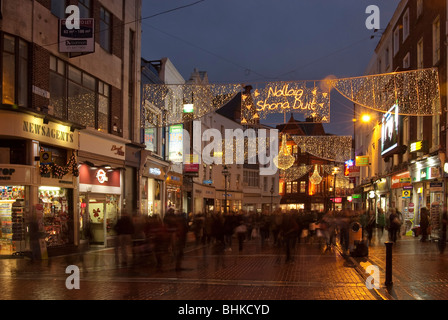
(419,270)
(256,273)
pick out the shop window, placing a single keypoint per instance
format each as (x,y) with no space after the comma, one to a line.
(12,235)
(103,106)
(56,221)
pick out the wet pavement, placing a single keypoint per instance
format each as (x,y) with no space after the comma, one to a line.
(256,273)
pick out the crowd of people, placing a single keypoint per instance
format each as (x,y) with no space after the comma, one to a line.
(167,238)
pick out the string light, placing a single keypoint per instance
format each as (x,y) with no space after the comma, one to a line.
(416,92)
(60,171)
(316,178)
(295,173)
(332,148)
(284,160)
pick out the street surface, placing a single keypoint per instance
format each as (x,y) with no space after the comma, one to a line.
(256,273)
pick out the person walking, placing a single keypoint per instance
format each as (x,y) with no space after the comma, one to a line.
(124,229)
(442,240)
(424,223)
(381,222)
(394,225)
(241,232)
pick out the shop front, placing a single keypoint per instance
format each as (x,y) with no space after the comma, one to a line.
(101,186)
(153,187)
(100,197)
(15,184)
(174,183)
(401,194)
(38,175)
(428,186)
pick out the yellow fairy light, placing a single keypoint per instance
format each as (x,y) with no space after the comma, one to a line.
(316,178)
(284,160)
(416,92)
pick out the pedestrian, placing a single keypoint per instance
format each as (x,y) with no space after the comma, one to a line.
(124,229)
(442,240)
(370,225)
(424,223)
(241,231)
(394,225)
(381,221)
(289,233)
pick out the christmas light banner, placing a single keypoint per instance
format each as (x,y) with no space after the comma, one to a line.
(177,104)
(305,97)
(333,148)
(416,92)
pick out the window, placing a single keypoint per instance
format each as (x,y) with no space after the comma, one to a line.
(58,8)
(420,64)
(295,187)
(288,187)
(302,186)
(419,8)
(105,30)
(435,131)
(265,184)
(15,79)
(406,25)
(103,106)
(251,178)
(78,97)
(84,8)
(396,40)
(406,61)
(436,40)
(380,67)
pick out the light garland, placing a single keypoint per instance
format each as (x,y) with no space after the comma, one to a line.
(332,148)
(416,92)
(60,171)
(169,101)
(295,173)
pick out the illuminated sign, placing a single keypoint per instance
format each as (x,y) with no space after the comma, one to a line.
(283,97)
(362,161)
(188,108)
(418,146)
(101,176)
(389,130)
(346,170)
(155,171)
(176,145)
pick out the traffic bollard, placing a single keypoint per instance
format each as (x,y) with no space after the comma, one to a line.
(389,281)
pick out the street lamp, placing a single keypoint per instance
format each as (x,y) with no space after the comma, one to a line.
(272,194)
(225,173)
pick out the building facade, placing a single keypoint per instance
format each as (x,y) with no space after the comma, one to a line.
(70,114)
(411,175)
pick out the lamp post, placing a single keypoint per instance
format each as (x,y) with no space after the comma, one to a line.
(272,194)
(335,171)
(225,173)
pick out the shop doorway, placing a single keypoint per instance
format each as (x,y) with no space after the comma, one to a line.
(99,217)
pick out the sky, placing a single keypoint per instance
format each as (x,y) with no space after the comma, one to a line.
(244,41)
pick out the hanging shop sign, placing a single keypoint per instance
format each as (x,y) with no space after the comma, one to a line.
(418,146)
(102,146)
(436,186)
(406,194)
(362,161)
(401,180)
(389,131)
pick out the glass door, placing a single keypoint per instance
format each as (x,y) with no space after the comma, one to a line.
(96,209)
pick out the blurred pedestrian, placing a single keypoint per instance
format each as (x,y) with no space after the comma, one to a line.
(424,223)
(442,240)
(241,232)
(124,229)
(394,225)
(381,221)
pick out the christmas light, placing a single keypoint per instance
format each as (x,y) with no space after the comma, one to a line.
(284,160)
(416,92)
(332,148)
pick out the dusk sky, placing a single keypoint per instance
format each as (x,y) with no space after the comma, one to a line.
(249,41)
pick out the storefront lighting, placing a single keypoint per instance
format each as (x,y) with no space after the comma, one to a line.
(49,189)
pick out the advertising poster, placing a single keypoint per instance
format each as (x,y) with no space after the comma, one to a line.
(389,130)
(176,145)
